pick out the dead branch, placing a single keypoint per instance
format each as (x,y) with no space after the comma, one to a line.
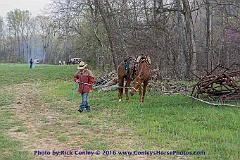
(214,104)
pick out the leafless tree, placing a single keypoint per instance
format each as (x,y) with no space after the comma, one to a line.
(181,36)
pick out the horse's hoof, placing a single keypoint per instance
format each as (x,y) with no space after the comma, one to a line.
(119,100)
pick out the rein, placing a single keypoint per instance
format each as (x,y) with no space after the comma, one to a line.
(136,90)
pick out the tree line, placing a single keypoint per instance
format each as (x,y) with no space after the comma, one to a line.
(182,37)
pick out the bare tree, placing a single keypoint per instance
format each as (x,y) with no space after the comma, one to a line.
(2,54)
(190,37)
(17,23)
(208,36)
(104,32)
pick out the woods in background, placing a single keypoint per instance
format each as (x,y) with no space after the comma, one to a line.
(182,37)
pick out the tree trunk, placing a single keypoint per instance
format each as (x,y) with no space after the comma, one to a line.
(190,37)
(208,36)
(110,30)
(182,41)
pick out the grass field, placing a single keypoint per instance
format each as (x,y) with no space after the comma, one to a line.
(38,119)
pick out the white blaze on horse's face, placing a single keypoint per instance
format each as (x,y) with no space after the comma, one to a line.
(136,84)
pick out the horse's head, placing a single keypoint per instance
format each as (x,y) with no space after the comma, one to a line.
(136,84)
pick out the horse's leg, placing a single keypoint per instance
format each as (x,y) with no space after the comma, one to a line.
(126,89)
(120,89)
(144,90)
(140,93)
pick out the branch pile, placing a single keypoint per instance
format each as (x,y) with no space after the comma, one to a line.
(109,81)
(225,86)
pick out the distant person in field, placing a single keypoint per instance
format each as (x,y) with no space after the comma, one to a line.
(31,63)
(85,79)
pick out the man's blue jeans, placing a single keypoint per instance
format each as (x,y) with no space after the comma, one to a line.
(84,103)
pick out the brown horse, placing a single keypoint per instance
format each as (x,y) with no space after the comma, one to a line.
(142,76)
(127,75)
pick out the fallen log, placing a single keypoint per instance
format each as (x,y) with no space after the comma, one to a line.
(214,104)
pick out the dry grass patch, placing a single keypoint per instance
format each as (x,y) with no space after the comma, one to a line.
(56,126)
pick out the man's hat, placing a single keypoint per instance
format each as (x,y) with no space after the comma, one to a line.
(81,65)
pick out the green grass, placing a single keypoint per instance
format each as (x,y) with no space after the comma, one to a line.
(10,149)
(168,122)
(163,123)
(63,138)
(96,144)
(6,99)
(20,73)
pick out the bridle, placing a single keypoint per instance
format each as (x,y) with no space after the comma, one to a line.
(148,64)
(136,90)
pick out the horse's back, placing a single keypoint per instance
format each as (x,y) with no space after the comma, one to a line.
(121,70)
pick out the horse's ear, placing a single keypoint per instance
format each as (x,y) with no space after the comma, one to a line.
(149,60)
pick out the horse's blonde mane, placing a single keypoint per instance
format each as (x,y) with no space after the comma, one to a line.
(149,59)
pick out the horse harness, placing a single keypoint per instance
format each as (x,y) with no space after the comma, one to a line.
(127,69)
(135,64)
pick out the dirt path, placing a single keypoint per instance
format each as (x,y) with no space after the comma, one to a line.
(47,126)
(40,138)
